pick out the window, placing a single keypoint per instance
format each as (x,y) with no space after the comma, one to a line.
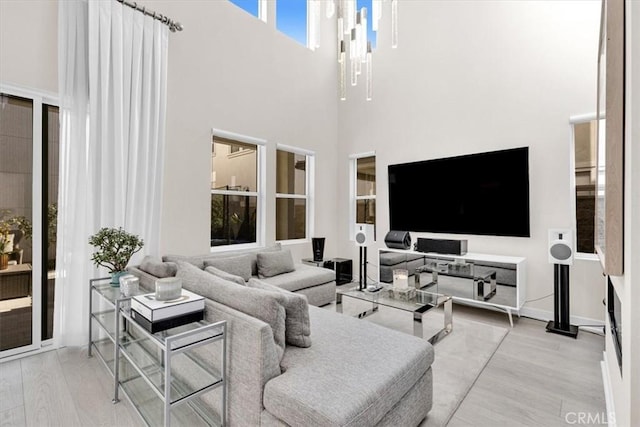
(368,4)
(238,149)
(298,19)
(29,131)
(256,8)
(584,152)
(292,193)
(291,19)
(364,190)
(235,190)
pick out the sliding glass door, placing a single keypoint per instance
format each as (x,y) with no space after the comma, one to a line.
(29,132)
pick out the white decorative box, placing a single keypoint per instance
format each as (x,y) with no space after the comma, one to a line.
(153,309)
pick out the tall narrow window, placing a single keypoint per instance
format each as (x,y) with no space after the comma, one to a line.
(584,138)
(50,158)
(234,192)
(29,132)
(16,219)
(249,6)
(364,185)
(291,19)
(369,5)
(292,184)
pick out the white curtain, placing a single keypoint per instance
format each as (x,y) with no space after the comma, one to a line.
(112,83)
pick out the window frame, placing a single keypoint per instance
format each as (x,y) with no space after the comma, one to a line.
(353,193)
(39,172)
(309,195)
(576,120)
(267,13)
(260,187)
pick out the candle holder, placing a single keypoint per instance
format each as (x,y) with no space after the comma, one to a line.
(400,279)
(129,285)
(168,288)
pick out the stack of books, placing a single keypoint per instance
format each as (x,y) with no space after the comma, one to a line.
(155,315)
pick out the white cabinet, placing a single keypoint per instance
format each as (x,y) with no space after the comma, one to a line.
(510,276)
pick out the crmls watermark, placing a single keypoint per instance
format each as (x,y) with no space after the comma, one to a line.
(589,418)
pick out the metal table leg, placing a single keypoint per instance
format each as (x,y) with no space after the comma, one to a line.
(365,313)
(448,322)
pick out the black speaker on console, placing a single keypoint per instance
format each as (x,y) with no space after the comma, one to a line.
(442,246)
(398,240)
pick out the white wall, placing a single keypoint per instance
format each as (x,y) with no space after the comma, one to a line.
(227,70)
(29,43)
(230,71)
(474,76)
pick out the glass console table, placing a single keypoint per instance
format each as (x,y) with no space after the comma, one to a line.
(165,374)
(412,300)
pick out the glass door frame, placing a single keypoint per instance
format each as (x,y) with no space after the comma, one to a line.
(38,273)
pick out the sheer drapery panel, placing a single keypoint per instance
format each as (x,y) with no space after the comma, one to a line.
(112,72)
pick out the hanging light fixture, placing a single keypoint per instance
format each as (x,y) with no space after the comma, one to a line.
(353,38)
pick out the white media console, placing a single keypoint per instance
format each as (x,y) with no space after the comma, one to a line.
(508,273)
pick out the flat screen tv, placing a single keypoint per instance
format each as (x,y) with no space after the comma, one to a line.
(478,194)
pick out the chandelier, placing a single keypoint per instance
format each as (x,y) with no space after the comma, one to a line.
(354,48)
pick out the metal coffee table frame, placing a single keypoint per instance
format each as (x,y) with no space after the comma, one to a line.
(420,304)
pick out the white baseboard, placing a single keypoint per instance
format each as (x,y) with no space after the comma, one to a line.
(608,395)
(594,326)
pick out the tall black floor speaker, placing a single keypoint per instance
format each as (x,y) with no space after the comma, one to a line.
(362,284)
(561,248)
(560,323)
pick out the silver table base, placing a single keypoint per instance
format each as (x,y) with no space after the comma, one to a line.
(443,300)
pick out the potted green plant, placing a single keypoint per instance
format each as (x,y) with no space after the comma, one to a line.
(114,249)
(12,230)
(52,234)
(5,240)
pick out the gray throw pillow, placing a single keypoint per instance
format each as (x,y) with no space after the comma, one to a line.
(273,263)
(254,252)
(224,275)
(297,324)
(236,265)
(158,268)
(258,303)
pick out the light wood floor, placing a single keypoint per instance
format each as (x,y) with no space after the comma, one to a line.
(533,379)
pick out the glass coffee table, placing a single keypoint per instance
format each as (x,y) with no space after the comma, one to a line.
(412,300)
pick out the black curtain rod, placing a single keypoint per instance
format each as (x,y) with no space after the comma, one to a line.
(173,25)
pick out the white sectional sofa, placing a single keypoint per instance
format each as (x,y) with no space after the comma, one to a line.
(317,283)
(347,372)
